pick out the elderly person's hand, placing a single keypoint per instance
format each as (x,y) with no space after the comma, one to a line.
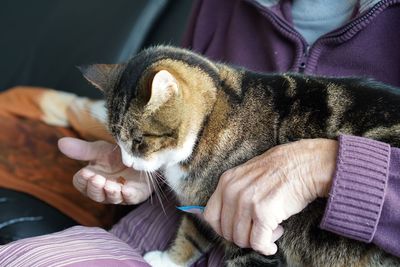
(252,199)
(105,179)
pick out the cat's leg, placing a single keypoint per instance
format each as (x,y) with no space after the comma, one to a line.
(238,257)
(187,247)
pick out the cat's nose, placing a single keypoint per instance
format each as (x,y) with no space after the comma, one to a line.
(136,142)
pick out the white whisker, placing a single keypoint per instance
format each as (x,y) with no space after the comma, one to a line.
(157,178)
(157,191)
(149,184)
(115,148)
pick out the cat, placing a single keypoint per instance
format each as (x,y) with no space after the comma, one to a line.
(177,112)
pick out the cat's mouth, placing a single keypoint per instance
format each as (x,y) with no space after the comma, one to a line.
(159,160)
(149,165)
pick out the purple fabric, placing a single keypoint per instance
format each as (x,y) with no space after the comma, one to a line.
(76,246)
(365,194)
(151,226)
(387,234)
(358,189)
(244,33)
(108,263)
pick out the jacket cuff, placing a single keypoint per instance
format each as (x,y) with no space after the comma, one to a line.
(358,188)
(387,233)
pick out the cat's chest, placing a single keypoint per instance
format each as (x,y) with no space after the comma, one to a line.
(175,177)
(189,191)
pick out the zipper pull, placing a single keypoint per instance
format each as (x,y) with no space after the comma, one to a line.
(303,63)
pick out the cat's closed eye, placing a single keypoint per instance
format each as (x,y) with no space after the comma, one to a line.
(157,135)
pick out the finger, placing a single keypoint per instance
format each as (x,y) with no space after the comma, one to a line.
(95,188)
(81,150)
(80,179)
(242,229)
(227,220)
(132,195)
(277,233)
(261,239)
(113,193)
(212,211)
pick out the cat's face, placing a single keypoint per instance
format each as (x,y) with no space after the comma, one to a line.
(154,113)
(148,132)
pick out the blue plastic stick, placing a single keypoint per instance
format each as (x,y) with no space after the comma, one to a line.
(192,209)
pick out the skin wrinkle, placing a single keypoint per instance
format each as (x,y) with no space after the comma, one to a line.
(237,115)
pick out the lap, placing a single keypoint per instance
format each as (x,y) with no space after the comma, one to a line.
(151,226)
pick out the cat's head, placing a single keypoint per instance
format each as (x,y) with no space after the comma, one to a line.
(156,103)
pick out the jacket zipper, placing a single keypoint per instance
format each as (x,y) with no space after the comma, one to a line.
(301,62)
(304,58)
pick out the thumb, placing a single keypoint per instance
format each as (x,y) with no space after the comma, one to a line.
(82,150)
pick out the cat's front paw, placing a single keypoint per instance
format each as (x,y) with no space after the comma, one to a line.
(160,259)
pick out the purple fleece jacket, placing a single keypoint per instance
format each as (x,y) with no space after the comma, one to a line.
(366,187)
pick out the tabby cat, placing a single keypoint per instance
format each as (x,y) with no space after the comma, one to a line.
(174,111)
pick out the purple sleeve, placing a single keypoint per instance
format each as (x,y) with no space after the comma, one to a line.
(365,192)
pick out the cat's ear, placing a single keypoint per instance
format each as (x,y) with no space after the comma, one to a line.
(103,76)
(163,87)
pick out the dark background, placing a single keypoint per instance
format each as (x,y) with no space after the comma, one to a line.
(43,41)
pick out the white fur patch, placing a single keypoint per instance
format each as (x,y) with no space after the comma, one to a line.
(160,259)
(174,175)
(138,163)
(167,159)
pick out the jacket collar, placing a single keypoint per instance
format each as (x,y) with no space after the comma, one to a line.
(364,5)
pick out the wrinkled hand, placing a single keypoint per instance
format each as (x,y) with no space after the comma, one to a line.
(252,199)
(105,179)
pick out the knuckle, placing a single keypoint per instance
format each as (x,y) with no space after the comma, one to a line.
(225,177)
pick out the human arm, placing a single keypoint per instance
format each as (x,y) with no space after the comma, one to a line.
(293,187)
(252,199)
(105,179)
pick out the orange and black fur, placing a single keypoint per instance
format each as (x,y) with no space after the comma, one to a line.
(174,111)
